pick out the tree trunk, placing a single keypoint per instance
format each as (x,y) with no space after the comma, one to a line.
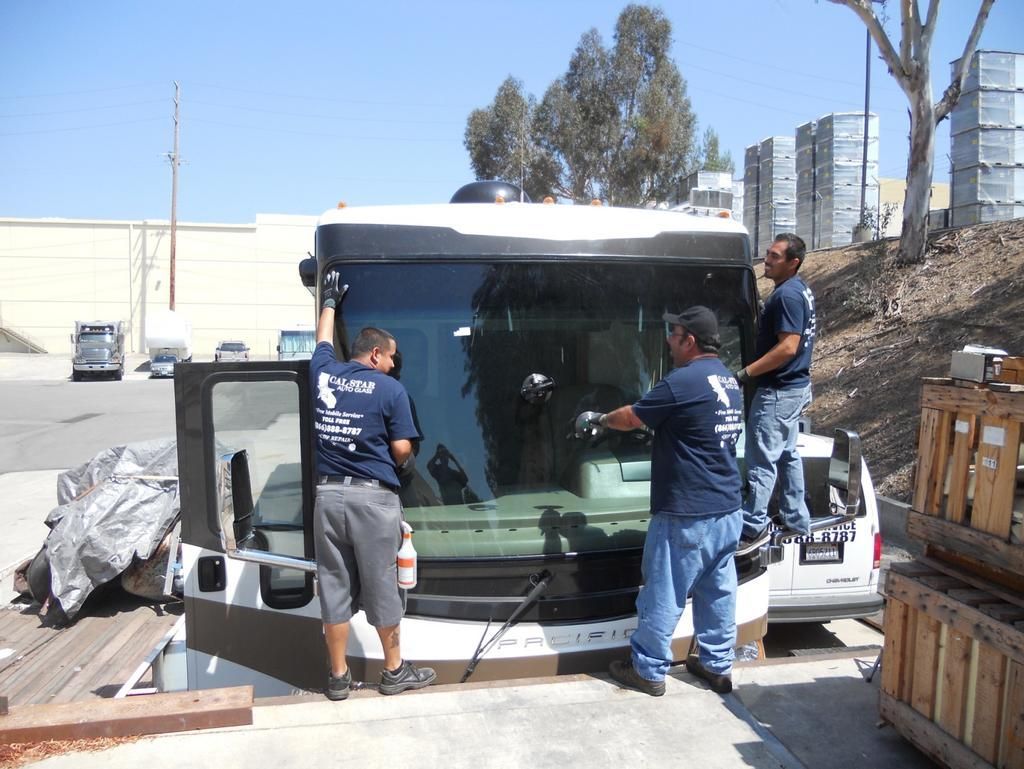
(914,238)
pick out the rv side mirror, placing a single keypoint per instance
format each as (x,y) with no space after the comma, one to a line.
(236,519)
(844,469)
(307,272)
(236,522)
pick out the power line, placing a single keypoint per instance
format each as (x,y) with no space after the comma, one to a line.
(324,117)
(776,88)
(761,64)
(81,128)
(81,109)
(77,93)
(320,99)
(408,139)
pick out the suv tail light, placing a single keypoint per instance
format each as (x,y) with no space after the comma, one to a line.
(878,550)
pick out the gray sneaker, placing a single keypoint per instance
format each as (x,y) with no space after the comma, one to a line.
(624,672)
(338,687)
(408,676)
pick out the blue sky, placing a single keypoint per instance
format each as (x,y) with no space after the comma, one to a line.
(291,107)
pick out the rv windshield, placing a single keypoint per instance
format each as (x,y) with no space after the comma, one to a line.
(499,358)
(297,342)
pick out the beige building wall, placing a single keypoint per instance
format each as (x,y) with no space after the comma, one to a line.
(233,281)
(890,195)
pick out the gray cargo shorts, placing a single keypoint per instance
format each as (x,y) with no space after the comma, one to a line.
(358,531)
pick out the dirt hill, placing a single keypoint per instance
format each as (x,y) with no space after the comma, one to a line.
(882,327)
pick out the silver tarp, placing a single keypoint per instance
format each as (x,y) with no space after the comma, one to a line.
(114,508)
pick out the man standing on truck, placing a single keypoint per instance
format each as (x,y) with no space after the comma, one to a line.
(781,374)
(364,430)
(696,413)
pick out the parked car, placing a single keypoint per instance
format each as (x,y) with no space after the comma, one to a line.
(162,365)
(233,350)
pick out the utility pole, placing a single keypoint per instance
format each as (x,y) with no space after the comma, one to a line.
(864,155)
(175,162)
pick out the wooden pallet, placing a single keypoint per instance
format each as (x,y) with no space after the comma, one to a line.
(968,453)
(87,660)
(953,667)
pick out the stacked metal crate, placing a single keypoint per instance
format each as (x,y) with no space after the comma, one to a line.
(751,190)
(987,127)
(737,199)
(806,201)
(776,199)
(838,168)
(708,189)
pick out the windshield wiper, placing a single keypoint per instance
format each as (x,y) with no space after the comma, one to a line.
(481,648)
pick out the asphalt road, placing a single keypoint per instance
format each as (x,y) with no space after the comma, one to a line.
(59,424)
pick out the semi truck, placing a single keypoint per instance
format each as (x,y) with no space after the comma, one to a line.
(511,319)
(97,348)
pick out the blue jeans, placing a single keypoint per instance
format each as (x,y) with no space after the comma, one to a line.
(684,554)
(772,429)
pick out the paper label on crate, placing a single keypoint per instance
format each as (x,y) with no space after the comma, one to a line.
(962,426)
(990,463)
(993,436)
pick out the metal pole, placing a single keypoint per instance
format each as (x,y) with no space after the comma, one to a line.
(867,104)
(175,162)
(131,293)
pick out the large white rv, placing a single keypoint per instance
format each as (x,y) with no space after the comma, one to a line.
(511,319)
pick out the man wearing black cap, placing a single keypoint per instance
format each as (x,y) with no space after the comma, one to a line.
(696,413)
(781,373)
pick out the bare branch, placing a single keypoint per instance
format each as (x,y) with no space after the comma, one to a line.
(907,10)
(956,85)
(925,31)
(933,14)
(892,59)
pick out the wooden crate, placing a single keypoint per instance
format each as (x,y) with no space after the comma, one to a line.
(953,666)
(967,479)
(1013,371)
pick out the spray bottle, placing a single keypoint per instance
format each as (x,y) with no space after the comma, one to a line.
(406,560)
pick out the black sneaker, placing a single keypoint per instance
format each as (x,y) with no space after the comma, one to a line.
(719,683)
(338,687)
(624,672)
(408,676)
(748,543)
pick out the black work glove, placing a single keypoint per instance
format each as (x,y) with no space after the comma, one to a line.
(742,376)
(589,425)
(333,291)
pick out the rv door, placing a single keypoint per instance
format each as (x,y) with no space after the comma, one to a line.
(246,484)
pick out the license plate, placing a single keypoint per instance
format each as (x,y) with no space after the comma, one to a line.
(821,552)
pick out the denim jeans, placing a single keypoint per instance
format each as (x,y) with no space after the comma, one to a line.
(683,555)
(772,429)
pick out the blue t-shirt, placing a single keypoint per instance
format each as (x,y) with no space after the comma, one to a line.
(357,412)
(696,413)
(789,310)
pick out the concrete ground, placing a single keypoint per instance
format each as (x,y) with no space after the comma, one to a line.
(805,713)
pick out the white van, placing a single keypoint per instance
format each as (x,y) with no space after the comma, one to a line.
(833,573)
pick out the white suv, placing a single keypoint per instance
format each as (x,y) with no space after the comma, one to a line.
(231,351)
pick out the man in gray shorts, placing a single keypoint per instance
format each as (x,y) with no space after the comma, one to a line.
(364,431)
